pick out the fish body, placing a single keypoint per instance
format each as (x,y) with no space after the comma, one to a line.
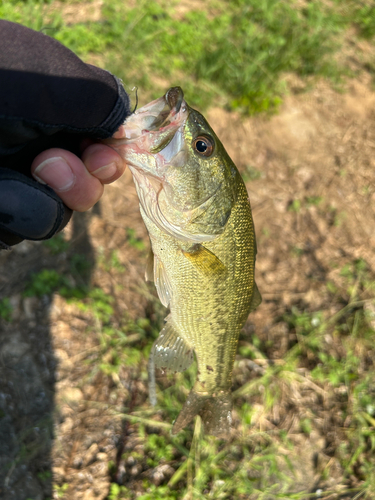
(197,213)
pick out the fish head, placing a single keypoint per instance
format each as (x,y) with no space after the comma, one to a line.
(185,180)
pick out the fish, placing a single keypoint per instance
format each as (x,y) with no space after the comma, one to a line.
(197,212)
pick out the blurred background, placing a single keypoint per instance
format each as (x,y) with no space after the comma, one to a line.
(288,86)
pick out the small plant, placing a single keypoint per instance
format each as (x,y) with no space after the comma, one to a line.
(5,309)
(251,174)
(44,475)
(118,492)
(158,450)
(313,200)
(111,262)
(133,241)
(45,282)
(295,206)
(60,490)
(57,244)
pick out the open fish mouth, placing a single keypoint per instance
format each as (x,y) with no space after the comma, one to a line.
(174,98)
(154,135)
(162,116)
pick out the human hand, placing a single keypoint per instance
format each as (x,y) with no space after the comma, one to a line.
(79,182)
(49,106)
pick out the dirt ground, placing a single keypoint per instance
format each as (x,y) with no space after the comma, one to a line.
(54,409)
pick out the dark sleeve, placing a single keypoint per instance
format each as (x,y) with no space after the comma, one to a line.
(48,98)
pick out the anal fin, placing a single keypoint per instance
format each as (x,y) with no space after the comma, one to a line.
(169,352)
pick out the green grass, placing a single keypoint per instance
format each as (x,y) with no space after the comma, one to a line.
(256,463)
(5,309)
(236,53)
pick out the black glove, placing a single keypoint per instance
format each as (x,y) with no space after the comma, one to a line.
(48,98)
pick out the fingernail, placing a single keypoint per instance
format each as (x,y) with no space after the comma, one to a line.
(105,172)
(55,172)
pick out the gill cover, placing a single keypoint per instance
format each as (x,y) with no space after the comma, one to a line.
(182,189)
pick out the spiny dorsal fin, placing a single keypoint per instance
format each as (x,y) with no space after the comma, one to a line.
(204,260)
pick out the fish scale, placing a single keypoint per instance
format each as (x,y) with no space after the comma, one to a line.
(197,212)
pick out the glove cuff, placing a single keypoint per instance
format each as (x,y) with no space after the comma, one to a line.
(28,209)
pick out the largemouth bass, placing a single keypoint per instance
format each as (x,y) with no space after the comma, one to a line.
(197,212)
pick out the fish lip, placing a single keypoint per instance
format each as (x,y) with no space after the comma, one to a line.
(174,97)
(151,129)
(171,110)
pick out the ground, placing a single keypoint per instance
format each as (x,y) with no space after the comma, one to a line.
(309,171)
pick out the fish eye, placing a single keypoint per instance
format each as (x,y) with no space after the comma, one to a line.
(204,145)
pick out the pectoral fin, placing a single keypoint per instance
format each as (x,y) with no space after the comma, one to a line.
(170,351)
(162,283)
(256,298)
(205,261)
(149,272)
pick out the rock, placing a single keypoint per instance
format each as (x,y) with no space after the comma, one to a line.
(71,395)
(161,473)
(30,305)
(66,426)
(15,303)
(58,474)
(135,470)
(89,495)
(77,462)
(90,454)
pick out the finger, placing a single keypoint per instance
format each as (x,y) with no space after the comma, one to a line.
(103,162)
(67,175)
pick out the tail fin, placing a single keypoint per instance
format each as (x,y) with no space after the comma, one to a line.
(215,411)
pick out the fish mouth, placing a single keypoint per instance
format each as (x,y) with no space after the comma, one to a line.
(154,135)
(165,114)
(174,98)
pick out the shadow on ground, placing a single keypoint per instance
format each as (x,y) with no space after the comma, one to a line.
(28,366)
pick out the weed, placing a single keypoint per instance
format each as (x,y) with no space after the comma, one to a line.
(57,244)
(110,263)
(243,69)
(5,309)
(313,200)
(133,241)
(45,282)
(235,55)
(295,206)
(251,174)
(117,492)
(158,450)
(60,490)
(80,266)
(44,475)
(364,18)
